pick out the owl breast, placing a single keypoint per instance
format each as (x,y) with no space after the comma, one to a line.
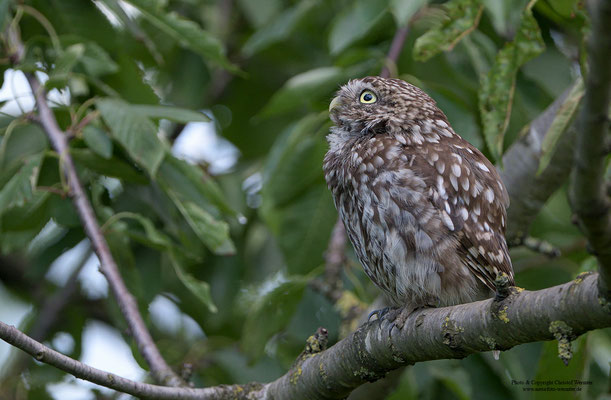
(398,235)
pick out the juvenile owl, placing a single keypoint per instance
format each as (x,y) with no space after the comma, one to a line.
(424,209)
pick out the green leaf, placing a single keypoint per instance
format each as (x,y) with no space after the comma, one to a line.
(295,161)
(551,368)
(355,22)
(304,228)
(301,87)
(96,60)
(498,86)
(187,182)
(68,59)
(260,12)
(272,306)
(200,289)
(560,124)
(185,32)
(212,232)
(98,141)
(135,132)
(278,29)
(108,167)
(18,190)
(176,114)
(462,16)
(455,378)
(157,240)
(200,201)
(297,206)
(17,144)
(404,10)
(5,14)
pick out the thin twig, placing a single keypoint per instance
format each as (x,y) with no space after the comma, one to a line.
(161,372)
(588,188)
(395,50)
(42,353)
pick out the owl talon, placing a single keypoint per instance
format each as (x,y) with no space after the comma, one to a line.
(379,313)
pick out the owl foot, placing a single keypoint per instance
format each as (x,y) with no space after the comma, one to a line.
(397,319)
(398,316)
(380,313)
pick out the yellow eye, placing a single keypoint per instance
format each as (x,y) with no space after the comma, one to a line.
(368,97)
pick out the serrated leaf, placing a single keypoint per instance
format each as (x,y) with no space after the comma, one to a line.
(355,22)
(98,141)
(19,189)
(176,114)
(404,10)
(112,167)
(462,16)
(272,306)
(185,32)
(497,87)
(560,124)
(135,132)
(278,29)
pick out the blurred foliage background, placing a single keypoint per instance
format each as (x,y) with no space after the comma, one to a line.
(223,216)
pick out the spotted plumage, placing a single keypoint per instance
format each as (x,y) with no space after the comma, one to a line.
(424,209)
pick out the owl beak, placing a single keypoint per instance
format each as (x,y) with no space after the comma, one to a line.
(336,102)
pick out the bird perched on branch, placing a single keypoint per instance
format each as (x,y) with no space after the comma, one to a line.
(424,209)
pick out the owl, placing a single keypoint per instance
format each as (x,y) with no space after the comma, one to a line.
(423,208)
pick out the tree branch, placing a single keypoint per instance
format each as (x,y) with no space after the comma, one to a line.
(370,353)
(159,369)
(589,199)
(529,191)
(42,353)
(450,332)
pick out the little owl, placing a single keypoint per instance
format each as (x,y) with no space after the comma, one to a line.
(424,209)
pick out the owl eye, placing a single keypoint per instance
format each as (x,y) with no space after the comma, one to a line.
(368,97)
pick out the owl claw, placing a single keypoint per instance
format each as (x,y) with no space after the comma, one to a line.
(379,313)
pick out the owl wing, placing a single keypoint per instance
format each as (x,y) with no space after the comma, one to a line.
(470,197)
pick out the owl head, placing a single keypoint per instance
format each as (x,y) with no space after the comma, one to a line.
(374,105)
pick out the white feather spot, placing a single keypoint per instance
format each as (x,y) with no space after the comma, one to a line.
(440,186)
(447,220)
(465,183)
(377,161)
(441,166)
(489,194)
(482,166)
(464,213)
(454,182)
(456,170)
